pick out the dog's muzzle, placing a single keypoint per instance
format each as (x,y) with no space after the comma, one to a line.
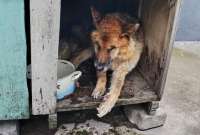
(102,66)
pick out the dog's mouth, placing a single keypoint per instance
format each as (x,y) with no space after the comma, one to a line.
(103,66)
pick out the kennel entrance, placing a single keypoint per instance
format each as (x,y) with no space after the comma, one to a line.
(144,84)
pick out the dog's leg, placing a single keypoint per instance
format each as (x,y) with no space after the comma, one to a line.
(117,82)
(101,85)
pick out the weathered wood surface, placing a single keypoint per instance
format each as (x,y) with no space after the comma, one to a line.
(134,84)
(158,18)
(45,22)
(14,103)
(175,6)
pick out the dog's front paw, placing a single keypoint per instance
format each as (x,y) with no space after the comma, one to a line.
(98,92)
(107,105)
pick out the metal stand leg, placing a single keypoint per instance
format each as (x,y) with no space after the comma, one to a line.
(52,121)
(152,107)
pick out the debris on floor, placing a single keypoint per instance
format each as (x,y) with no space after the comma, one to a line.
(93,127)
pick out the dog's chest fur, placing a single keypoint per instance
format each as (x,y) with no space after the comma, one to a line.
(129,59)
(137,47)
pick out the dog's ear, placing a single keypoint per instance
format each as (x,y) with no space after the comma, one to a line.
(129,30)
(137,26)
(96,16)
(132,28)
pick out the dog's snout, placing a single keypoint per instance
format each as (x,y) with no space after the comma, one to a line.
(100,66)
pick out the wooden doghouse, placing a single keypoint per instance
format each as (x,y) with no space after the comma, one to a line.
(159,19)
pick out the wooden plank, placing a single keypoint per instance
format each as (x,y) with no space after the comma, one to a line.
(53,121)
(140,9)
(135,85)
(157,21)
(45,23)
(14,101)
(66,105)
(155,16)
(172,28)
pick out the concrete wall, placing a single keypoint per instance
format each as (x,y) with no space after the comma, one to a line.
(189,25)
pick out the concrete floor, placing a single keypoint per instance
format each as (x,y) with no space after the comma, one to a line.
(181,99)
(181,102)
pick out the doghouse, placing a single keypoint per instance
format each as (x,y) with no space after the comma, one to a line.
(144,85)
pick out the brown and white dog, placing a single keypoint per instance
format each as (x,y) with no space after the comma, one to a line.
(118,44)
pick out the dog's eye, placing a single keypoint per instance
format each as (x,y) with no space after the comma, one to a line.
(110,49)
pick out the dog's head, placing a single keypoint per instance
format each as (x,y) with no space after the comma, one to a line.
(111,36)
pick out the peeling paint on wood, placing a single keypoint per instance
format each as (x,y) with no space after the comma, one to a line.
(45,23)
(13,87)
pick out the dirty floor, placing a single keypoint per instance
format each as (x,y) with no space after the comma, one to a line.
(181,102)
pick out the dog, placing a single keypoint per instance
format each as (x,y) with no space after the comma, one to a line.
(118,44)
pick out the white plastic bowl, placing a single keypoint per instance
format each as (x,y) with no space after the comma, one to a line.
(66,78)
